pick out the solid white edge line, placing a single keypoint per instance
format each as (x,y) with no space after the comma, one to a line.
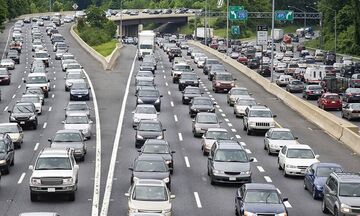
(21,178)
(187,162)
(110,178)
(36,146)
(197,199)
(97,172)
(7,42)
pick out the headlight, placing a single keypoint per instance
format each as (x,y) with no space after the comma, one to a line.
(247,172)
(68,180)
(157,101)
(139,137)
(218,171)
(186,98)
(281,214)
(272,124)
(273,145)
(217,84)
(35,181)
(160,137)
(252,123)
(135,179)
(345,208)
(166,180)
(246,213)
(290,166)
(166,211)
(2,161)
(132,210)
(139,100)
(33,117)
(168,162)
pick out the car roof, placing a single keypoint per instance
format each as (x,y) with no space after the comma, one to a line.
(150,182)
(76,114)
(37,74)
(261,186)
(228,144)
(206,114)
(280,129)
(156,141)
(150,157)
(201,98)
(24,103)
(327,165)
(51,152)
(68,131)
(217,129)
(77,102)
(8,124)
(350,177)
(259,107)
(298,146)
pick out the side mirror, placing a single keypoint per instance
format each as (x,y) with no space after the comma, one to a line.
(193,120)
(76,166)
(215,103)
(127,194)
(85,139)
(285,199)
(173,152)
(210,157)
(317,156)
(90,122)
(172,196)
(131,169)
(63,122)
(274,116)
(163,129)
(251,159)
(50,140)
(31,167)
(296,138)
(139,150)
(133,112)
(24,81)
(9,111)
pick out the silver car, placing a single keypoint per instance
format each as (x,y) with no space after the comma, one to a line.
(203,121)
(66,62)
(235,93)
(241,104)
(14,131)
(77,107)
(351,111)
(211,135)
(144,76)
(7,63)
(276,138)
(71,75)
(79,121)
(144,112)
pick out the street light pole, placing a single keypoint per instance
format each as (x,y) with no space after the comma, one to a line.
(50,5)
(272,41)
(335,30)
(227,26)
(121,19)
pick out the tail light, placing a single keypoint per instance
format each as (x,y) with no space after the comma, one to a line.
(356,111)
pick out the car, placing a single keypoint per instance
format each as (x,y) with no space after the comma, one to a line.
(144,112)
(159,147)
(147,66)
(312,91)
(259,199)
(7,63)
(149,196)
(258,118)
(203,121)
(189,93)
(150,167)
(241,104)
(5,76)
(351,95)
(24,114)
(66,62)
(210,136)
(341,194)
(14,131)
(55,172)
(39,214)
(178,69)
(351,111)
(79,121)
(74,139)
(215,68)
(79,90)
(148,129)
(60,45)
(147,96)
(71,76)
(281,67)
(283,80)
(174,52)
(295,85)
(201,61)
(59,53)
(14,55)
(144,76)
(74,107)
(43,56)
(70,66)
(222,82)
(208,64)
(329,101)
(201,104)
(228,162)
(291,67)
(235,93)
(295,159)
(35,99)
(188,79)
(276,138)
(197,56)
(38,80)
(7,153)
(316,176)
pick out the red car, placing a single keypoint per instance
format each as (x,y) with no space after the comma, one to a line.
(243,60)
(330,101)
(214,45)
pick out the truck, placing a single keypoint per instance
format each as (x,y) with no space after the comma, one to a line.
(200,33)
(278,35)
(146,43)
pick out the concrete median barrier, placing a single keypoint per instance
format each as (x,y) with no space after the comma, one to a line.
(338,128)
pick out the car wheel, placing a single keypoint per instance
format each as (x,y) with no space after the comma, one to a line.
(82,158)
(236,211)
(12,162)
(336,212)
(248,131)
(71,197)
(265,148)
(285,174)
(244,127)
(314,195)
(279,166)
(342,115)
(33,197)
(268,151)
(304,186)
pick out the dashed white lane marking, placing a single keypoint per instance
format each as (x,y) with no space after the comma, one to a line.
(167,84)
(13,96)
(242,143)
(164,77)
(52,95)
(197,200)
(227,120)
(54,78)
(169,92)
(230,125)
(212,99)
(45,124)
(19,86)
(6,108)
(163,71)
(21,178)
(187,163)
(36,146)
(50,108)
(220,110)
(255,160)
(248,151)
(172,103)
(260,168)
(223,114)
(238,136)
(287,204)
(175,118)
(267,179)
(310,128)
(233,130)
(24,72)
(218,106)
(206,89)
(208,93)
(180,136)
(54,86)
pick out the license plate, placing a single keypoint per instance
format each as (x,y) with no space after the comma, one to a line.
(333,102)
(51,190)
(232,178)
(225,89)
(22,122)
(79,96)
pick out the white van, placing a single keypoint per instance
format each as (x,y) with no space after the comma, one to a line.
(314,74)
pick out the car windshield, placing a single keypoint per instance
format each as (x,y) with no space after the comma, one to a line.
(332,97)
(144,74)
(53,163)
(150,193)
(218,135)
(315,87)
(224,77)
(145,110)
(150,166)
(202,102)
(9,129)
(260,113)
(239,92)
(156,149)
(355,106)
(2,147)
(146,46)
(189,76)
(296,82)
(300,153)
(218,67)
(74,76)
(230,155)
(182,68)
(212,61)
(349,189)
(39,70)
(354,90)
(73,66)
(262,196)
(293,66)
(147,93)
(3,71)
(76,120)
(67,137)
(30,99)
(37,79)
(69,61)
(41,55)
(149,126)
(77,107)
(23,109)
(79,85)
(192,91)
(282,135)
(145,83)
(207,119)
(326,171)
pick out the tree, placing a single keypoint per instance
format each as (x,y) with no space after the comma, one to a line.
(3,13)
(57,6)
(95,16)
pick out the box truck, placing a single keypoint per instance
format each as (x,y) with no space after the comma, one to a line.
(146,43)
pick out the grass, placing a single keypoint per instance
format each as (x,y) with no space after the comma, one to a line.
(107,48)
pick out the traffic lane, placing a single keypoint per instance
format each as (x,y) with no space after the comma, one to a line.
(307,132)
(4,37)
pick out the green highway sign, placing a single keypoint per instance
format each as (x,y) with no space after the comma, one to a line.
(237,13)
(284,15)
(235,30)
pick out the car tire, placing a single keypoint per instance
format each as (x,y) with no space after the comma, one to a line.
(279,166)
(71,197)
(82,158)
(268,151)
(248,131)
(285,174)
(212,182)
(12,162)
(314,195)
(336,212)
(33,197)
(304,186)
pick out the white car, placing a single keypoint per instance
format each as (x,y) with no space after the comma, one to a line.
(281,67)
(276,138)
(7,63)
(211,135)
(35,99)
(201,61)
(241,104)
(295,159)
(144,112)
(79,121)
(148,196)
(283,80)
(197,56)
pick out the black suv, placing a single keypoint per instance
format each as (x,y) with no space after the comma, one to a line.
(188,79)
(330,58)
(7,153)
(342,194)
(24,114)
(174,52)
